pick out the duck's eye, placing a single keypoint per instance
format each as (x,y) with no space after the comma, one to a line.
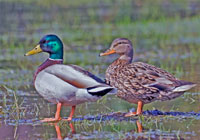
(117,44)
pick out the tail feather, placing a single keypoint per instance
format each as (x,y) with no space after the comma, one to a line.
(184,86)
(182,82)
(101,90)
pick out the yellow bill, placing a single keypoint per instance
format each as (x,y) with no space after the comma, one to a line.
(108,52)
(37,49)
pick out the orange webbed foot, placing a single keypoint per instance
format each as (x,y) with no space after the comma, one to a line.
(71,114)
(57,115)
(130,114)
(68,119)
(138,112)
(51,119)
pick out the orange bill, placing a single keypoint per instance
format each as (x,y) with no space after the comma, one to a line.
(108,52)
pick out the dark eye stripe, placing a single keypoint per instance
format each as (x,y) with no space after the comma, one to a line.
(121,43)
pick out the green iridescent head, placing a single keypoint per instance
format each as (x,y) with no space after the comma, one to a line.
(50,44)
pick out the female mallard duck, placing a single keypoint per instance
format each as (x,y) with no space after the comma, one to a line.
(61,84)
(138,82)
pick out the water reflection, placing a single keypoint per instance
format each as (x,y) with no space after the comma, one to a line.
(142,127)
(72,133)
(138,133)
(58,131)
(139,126)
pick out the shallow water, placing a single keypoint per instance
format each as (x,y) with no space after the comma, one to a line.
(165,37)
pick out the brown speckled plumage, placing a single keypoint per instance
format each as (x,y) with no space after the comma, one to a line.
(139,81)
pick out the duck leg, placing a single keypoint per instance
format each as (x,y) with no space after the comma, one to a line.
(57,115)
(139,108)
(138,112)
(72,113)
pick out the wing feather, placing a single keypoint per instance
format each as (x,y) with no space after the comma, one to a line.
(75,76)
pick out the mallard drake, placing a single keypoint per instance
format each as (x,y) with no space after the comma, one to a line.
(138,82)
(61,84)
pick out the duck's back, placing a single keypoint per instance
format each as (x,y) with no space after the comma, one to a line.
(140,81)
